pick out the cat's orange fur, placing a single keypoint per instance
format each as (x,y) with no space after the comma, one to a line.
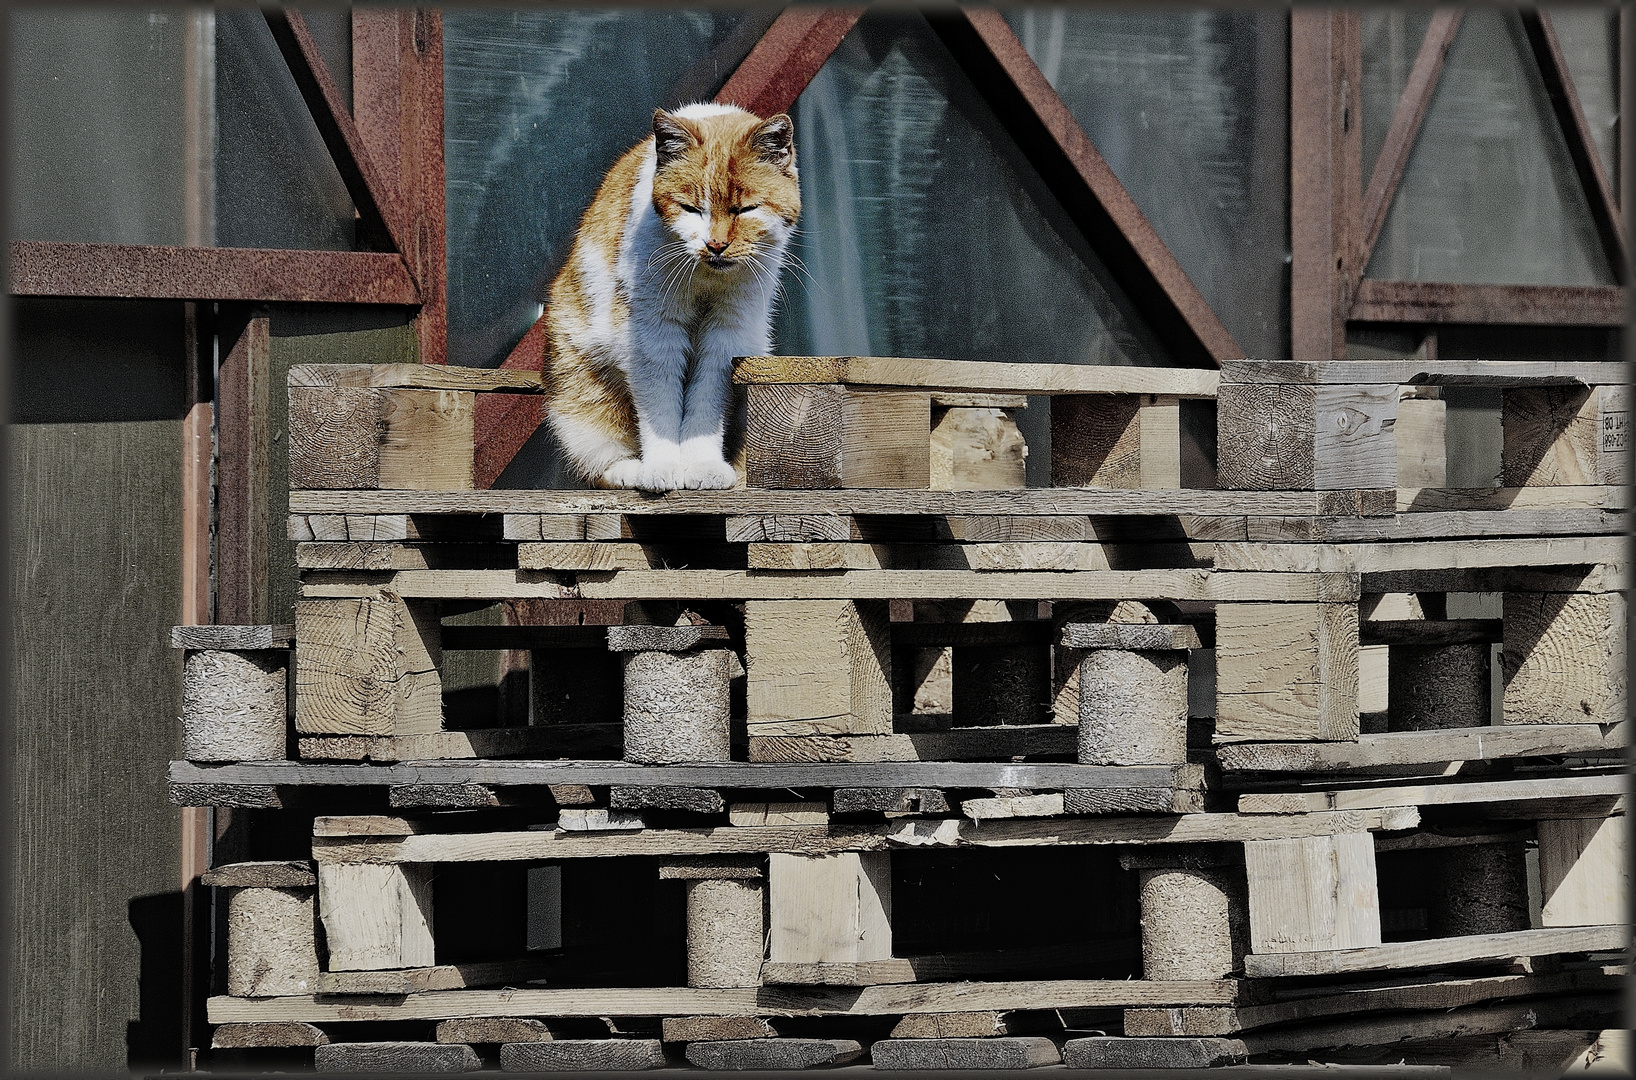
(674,271)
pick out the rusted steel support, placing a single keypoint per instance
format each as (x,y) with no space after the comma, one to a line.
(50,268)
(1326,60)
(397,95)
(1506,305)
(1058,148)
(1406,121)
(1553,67)
(381,225)
(787,57)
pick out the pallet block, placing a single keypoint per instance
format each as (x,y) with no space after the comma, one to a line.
(829,436)
(829,909)
(389,426)
(377,916)
(382,1057)
(271,931)
(818,667)
(1295,437)
(1116,441)
(1287,672)
(1312,893)
(367,667)
(977,447)
(1564,658)
(1565,435)
(588,1055)
(1584,871)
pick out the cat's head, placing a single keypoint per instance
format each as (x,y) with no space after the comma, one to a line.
(725,182)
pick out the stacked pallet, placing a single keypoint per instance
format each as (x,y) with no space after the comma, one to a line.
(1280,752)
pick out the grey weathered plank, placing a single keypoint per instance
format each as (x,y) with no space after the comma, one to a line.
(772,1053)
(1423,747)
(752,1001)
(589,1055)
(1011,1052)
(1426,372)
(1415,954)
(799,503)
(976,376)
(329,847)
(735,774)
(1469,792)
(265,875)
(1188,584)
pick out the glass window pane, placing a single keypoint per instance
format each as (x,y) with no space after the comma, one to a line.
(537,106)
(1190,110)
(276,184)
(99,123)
(924,232)
(1391,41)
(1589,37)
(1489,194)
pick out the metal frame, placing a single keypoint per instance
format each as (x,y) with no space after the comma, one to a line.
(1333,231)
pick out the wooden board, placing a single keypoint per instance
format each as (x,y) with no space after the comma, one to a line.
(817,667)
(1421,372)
(995,557)
(1378,558)
(418,376)
(1455,794)
(1597,496)
(754,1001)
(1414,954)
(1034,501)
(733,774)
(1192,584)
(441,977)
(970,375)
(1424,748)
(1402,994)
(945,833)
(950,965)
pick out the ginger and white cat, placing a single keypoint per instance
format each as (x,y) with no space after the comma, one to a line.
(673,273)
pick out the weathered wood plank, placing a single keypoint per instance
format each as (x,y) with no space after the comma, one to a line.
(414,376)
(1422,372)
(1415,954)
(970,375)
(1314,892)
(819,839)
(1190,584)
(1033,502)
(1469,792)
(762,1001)
(1424,748)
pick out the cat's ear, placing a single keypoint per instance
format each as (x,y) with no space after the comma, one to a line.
(672,137)
(774,141)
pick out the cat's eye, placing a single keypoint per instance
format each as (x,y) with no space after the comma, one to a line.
(744,209)
(690,209)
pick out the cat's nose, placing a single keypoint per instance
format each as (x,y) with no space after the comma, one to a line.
(715,247)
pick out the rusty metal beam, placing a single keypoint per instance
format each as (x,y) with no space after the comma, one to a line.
(397,94)
(1326,60)
(787,57)
(1406,121)
(504,422)
(380,219)
(1553,68)
(1056,145)
(1506,305)
(49,268)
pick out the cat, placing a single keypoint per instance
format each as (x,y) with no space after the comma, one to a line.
(674,272)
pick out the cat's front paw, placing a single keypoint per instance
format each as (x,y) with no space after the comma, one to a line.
(708,475)
(624,474)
